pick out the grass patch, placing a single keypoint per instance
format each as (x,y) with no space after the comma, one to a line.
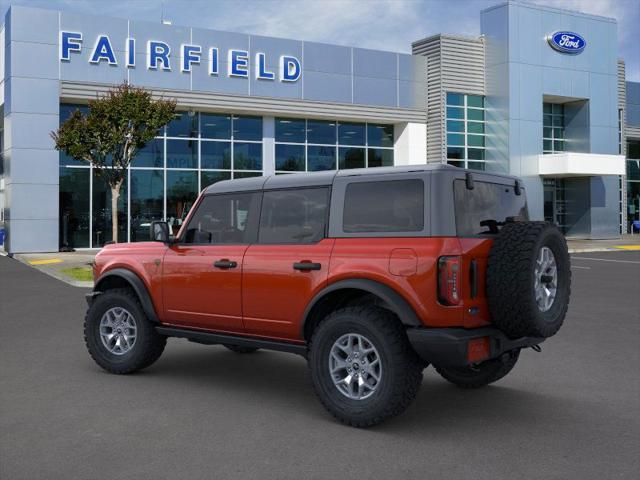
(81,274)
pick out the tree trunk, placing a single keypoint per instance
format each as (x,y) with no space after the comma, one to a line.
(115,194)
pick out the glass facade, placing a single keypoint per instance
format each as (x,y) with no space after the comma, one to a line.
(305,145)
(465,130)
(552,128)
(633,183)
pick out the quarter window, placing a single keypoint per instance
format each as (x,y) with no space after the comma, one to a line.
(224,219)
(294,216)
(387,206)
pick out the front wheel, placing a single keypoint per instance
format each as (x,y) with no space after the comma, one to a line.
(477,376)
(362,366)
(118,334)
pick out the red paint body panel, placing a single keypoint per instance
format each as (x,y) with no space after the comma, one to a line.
(274,294)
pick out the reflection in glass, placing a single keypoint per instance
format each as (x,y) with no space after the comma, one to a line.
(321,158)
(209,178)
(216,155)
(102,212)
(246,174)
(74,207)
(185,124)
(379,135)
(455,98)
(247,156)
(182,190)
(290,158)
(378,157)
(247,128)
(182,154)
(290,130)
(151,155)
(215,126)
(351,158)
(320,131)
(455,126)
(351,133)
(146,202)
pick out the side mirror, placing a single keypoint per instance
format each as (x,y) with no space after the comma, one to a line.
(159,232)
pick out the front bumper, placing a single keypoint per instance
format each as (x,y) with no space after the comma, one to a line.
(449,347)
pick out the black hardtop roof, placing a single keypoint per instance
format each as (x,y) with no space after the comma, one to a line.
(317,179)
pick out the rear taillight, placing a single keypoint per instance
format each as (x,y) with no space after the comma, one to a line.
(449,280)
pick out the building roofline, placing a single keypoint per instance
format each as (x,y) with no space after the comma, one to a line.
(430,38)
(521,3)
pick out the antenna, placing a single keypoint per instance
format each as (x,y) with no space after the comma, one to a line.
(162,19)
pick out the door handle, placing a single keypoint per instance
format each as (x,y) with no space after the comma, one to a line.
(306,265)
(225,264)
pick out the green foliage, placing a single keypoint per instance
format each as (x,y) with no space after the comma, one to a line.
(117,126)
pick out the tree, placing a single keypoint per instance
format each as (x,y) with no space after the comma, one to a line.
(117,126)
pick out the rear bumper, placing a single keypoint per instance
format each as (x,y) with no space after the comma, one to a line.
(449,346)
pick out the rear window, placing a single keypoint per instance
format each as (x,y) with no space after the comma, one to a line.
(384,206)
(486,202)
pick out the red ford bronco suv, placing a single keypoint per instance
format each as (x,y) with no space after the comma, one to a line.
(370,274)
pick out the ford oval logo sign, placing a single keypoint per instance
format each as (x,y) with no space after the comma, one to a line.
(567,42)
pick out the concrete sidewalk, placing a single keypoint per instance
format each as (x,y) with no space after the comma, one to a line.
(58,264)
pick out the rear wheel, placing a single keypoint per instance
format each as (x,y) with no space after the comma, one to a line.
(480,375)
(362,366)
(239,349)
(119,336)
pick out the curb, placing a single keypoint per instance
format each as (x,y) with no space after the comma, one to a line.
(57,276)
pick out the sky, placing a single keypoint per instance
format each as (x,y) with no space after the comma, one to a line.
(378,24)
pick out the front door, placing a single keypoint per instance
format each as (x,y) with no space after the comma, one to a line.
(202,272)
(289,263)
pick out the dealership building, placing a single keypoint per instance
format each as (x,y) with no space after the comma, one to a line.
(541,94)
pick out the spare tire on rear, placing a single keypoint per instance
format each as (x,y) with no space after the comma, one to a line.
(528,279)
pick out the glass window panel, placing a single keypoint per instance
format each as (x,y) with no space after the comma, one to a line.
(546,108)
(294,216)
(66,109)
(456,164)
(290,130)
(455,98)
(547,132)
(378,157)
(547,145)
(633,149)
(380,135)
(475,127)
(455,126)
(473,114)
(351,158)
(247,128)
(558,145)
(320,131)
(182,190)
(247,156)
(209,178)
(633,169)
(475,101)
(475,153)
(454,112)
(475,140)
(182,154)
(558,121)
(455,152)
(215,155)
(290,158)
(384,206)
(74,207)
(321,158)
(67,160)
(147,201)
(476,165)
(547,120)
(184,124)
(351,133)
(215,126)
(246,174)
(558,133)
(102,212)
(455,139)
(557,108)
(224,219)
(151,155)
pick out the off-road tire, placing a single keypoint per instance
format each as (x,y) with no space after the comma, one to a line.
(401,369)
(239,349)
(480,375)
(148,346)
(510,279)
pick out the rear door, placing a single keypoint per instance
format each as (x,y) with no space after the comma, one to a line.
(202,273)
(289,263)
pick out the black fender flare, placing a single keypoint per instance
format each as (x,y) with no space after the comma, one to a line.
(396,303)
(138,286)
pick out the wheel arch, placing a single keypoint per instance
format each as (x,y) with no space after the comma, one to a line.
(121,277)
(345,292)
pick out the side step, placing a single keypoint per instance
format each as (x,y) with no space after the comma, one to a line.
(208,338)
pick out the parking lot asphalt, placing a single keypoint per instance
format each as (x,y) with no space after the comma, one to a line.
(572,411)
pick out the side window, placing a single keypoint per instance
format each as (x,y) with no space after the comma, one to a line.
(294,216)
(384,206)
(224,219)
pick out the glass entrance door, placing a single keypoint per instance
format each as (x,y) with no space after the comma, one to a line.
(555,203)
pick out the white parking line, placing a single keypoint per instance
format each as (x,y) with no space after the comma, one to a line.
(605,260)
(583,268)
